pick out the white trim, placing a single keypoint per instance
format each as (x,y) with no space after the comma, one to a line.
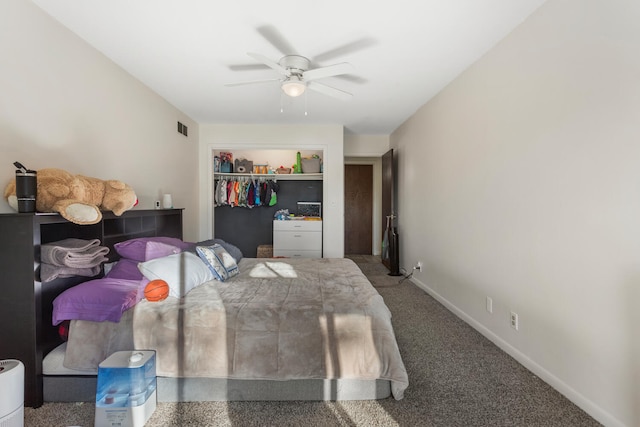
(364,154)
(581,401)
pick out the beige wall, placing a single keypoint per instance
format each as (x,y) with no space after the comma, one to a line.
(65,105)
(521,181)
(365,145)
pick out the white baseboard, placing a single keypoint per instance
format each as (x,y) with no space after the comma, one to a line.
(581,401)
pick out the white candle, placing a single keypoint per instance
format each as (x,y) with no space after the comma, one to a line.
(167,203)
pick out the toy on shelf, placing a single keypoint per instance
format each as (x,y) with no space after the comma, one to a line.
(77,198)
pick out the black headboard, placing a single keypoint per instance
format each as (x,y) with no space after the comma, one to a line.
(28,334)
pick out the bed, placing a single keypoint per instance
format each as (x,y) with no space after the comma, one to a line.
(279,329)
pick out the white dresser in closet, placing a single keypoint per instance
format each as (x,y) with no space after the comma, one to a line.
(297,239)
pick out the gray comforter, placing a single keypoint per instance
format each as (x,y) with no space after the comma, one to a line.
(279,319)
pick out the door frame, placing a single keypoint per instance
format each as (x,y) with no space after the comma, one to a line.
(376,233)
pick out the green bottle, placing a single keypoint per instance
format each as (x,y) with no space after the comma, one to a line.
(298,168)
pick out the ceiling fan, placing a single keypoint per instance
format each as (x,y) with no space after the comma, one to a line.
(297,75)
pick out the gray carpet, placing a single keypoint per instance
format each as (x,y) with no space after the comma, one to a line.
(457,378)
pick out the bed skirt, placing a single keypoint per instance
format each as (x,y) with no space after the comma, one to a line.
(65,388)
(66,385)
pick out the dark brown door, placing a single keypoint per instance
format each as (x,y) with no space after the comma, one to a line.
(358,208)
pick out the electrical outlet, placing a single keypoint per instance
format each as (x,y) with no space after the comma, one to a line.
(418,266)
(489,305)
(514,320)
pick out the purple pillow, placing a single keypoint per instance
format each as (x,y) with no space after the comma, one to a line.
(126,269)
(97,300)
(147,248)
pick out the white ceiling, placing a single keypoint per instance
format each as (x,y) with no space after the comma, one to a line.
(403,52)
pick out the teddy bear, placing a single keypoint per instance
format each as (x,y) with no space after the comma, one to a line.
(77,198)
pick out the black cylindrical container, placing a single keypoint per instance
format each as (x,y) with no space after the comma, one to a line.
(26,188)
(394,253)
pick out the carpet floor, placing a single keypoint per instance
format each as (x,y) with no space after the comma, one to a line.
(457,378)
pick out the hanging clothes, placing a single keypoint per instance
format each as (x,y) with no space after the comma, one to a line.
(273,195)
(223,192)
(263,193)
(242,194)
(251,195)
(257,193)
(245,192)
(216,191)
(236,190)
(231,193)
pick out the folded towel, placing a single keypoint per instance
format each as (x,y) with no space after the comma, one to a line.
(49,272)
(87,260)
(72,252)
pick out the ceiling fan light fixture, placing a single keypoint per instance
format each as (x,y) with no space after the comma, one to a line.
(293,86)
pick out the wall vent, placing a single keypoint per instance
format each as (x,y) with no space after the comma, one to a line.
(183,129)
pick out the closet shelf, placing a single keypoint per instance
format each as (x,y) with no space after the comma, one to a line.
(283,176)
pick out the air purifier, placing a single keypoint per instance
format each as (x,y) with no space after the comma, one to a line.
(11,393)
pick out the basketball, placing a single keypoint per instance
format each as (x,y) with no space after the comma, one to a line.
(156,290)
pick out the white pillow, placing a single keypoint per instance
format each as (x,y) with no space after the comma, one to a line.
(182,272)
(220,262)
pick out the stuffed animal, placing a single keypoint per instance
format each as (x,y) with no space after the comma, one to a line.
(76,198)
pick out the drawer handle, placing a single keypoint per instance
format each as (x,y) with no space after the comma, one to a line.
(297,235)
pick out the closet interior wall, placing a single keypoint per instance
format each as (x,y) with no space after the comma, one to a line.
(247,228)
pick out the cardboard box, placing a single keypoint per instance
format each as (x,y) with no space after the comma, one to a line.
(310,165)
(265,251)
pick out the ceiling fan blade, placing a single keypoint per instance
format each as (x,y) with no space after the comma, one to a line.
(272,64)
(352,78)
(345,49)
(328,90)
(274,37)
(331,70)
(251,82)
(248,67)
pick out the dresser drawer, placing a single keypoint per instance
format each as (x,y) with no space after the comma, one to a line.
(291,253)
(297,225)
(297,239)
(302,240)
